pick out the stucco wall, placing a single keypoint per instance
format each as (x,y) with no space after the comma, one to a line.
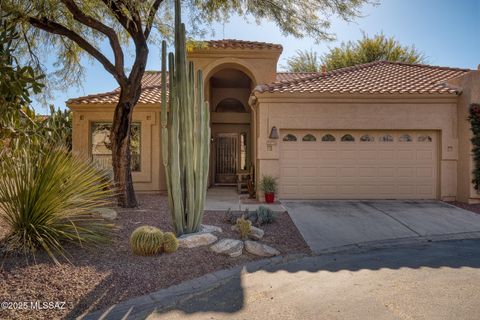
(152,176)
(360,113)
(470,85)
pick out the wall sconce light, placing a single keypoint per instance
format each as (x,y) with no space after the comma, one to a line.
(274,133)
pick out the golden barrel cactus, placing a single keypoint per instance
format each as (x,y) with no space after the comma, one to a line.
(146,241)
(170,242)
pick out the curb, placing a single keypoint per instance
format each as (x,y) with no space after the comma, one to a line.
(170,296)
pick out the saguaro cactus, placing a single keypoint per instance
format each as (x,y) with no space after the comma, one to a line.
(185,123)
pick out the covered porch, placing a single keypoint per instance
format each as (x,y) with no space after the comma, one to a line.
(222,198)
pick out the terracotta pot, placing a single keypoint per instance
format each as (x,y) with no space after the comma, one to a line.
(269,197)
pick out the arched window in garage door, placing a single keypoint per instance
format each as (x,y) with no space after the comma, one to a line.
(386,138)
(347,138)
(405,138)
(328,138)
(367,138)
(309,137)
(290,137)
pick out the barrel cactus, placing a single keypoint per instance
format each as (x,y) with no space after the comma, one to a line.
(170,242)
(146,241)
(185,121)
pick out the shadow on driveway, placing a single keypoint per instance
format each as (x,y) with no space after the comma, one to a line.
(434,280)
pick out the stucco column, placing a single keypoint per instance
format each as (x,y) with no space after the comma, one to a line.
(470,86)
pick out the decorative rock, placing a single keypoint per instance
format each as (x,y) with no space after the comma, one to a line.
(193,240)
(106,213)
(229,247)
(260,249)
(205,228)
(256,233)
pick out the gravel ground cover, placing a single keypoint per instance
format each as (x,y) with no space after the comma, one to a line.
(470,207)
(99,277)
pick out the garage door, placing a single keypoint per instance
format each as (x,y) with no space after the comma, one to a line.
(358,165)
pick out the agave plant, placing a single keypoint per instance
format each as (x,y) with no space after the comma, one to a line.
(48,198)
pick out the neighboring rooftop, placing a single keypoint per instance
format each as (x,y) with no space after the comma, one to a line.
(374,77)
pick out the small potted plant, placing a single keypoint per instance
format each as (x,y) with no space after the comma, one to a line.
(268,185)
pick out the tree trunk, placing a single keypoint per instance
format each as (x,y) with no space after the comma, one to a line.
(122,120)
(121,157)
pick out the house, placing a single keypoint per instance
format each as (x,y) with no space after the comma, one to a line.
(381,130)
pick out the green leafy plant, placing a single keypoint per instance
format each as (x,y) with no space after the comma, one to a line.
(244,226)
(170,242)
(474,117)
(268,184)
(265,215)
(146,241)
(48,197)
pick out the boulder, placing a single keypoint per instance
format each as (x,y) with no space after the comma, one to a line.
(194,240)
(255,233)
(210,229)
(229,247)
(260,249)
(106,213)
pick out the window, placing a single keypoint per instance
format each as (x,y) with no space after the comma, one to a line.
(328,137)
(367,138)
(405,138)
(230,105)
(348,138)
(102,146)
(386,138)
(309,137)
(289,137)
(424,138)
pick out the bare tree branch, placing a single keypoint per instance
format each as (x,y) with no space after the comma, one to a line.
(124,20)
(106,30)
(56,28)
(151,17)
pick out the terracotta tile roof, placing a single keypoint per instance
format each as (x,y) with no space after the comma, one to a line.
(151,92)
(287,76)
(151,89)
(241,44)
(375,77)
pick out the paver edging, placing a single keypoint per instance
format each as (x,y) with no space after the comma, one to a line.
(172,295)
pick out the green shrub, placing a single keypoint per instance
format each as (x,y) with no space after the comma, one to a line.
(244,226)
(170,242)
(265,215)
(268,184)
(146,241)
(48,198)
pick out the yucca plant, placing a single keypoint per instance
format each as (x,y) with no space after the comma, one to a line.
(48,197)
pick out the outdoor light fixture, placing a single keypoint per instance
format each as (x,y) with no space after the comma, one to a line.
(274,133)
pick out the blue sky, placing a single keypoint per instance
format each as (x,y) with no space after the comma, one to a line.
(446,31)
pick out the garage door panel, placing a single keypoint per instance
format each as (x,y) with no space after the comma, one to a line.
(367,172)
(375,168)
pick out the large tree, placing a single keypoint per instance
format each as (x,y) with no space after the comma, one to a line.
(367,49)
(71,28)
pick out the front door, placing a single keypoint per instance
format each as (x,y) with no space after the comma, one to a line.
(226,158)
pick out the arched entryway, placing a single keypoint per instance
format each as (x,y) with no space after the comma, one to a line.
(228,89)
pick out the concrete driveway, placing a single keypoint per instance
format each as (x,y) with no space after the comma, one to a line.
(327,225)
